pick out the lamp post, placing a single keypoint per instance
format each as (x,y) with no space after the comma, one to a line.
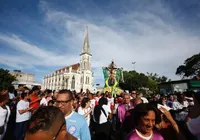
(133,63)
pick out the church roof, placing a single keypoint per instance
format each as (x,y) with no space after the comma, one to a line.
(74,67)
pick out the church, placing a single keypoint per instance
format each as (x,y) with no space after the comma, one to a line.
(77,76)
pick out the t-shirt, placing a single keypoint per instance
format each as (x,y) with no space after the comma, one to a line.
(92,102)
(43,102)
(22,105)
(170,103)
(11,95)
(76,125)
(35,105)
(194,127)
(144,100)
(4,117)
(181,115)
(97,98)
(49,99)
(103,118)
(115,108)
(82,111)
(110,101)
(134,136)
(3,114)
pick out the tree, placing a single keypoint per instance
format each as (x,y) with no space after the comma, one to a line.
(6,79)
(133,80)
(137,81)
(156,78)
(190,68)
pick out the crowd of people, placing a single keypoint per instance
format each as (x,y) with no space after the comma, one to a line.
(68,115)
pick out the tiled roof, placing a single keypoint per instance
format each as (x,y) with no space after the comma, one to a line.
(74,67)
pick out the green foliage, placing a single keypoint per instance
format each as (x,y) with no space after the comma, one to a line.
(6,79)
(190,68)
(138,81)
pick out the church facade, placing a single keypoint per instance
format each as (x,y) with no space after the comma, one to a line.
(74,77)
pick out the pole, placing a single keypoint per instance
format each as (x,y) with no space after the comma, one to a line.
(133,65)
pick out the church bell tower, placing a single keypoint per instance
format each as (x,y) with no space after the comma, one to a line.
(85,64)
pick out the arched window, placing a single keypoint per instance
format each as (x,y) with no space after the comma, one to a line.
(85,65)
(73,83)
(88,80)
(66,84)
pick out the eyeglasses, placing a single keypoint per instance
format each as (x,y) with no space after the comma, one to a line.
(63,102)
(54,138)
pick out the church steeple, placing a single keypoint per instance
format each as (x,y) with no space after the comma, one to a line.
(86,45)
(86,78)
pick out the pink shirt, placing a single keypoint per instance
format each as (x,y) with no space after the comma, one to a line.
(133,136)
(121,111)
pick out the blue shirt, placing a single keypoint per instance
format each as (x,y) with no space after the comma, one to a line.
(77,126)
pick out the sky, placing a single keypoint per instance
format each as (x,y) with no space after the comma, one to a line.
(41,36)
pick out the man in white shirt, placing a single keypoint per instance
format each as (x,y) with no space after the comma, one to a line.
(23,114)
(44,102)
(180,108)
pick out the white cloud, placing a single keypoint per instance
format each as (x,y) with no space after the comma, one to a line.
(30,55)
(157,44)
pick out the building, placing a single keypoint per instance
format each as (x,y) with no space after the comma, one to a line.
(74,77)
(179,86)
(25,79)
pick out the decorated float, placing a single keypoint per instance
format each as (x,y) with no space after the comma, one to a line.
(112,76)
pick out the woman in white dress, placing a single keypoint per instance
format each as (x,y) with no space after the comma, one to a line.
(85,109)
(4,114)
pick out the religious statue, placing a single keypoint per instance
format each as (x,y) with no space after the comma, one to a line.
(112,75)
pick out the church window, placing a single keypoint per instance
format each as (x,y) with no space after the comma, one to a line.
(73,83)
(86,80)
(66,82)
(84,65)
(81,79)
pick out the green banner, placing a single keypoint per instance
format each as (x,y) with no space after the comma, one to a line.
(111,79)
